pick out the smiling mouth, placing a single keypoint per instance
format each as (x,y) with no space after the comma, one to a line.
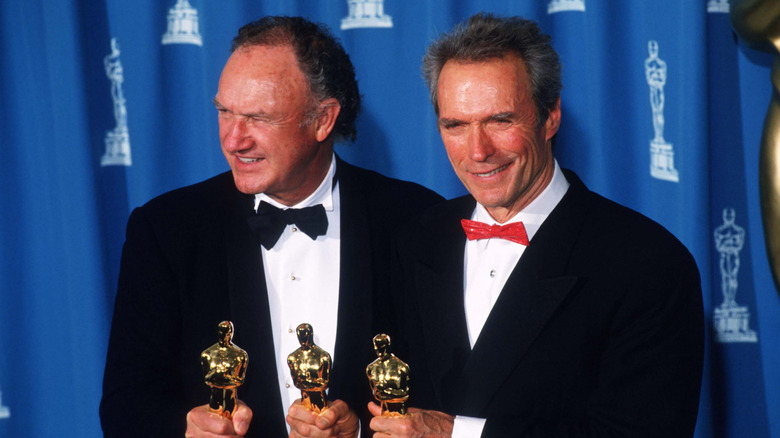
(492,172)
(248,160)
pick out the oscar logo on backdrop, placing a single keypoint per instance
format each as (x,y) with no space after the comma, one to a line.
(731,320)
(4,411)
(182,25)
(758,24)
(718,6)
(661,153)
(366,13)
(117,140)
(565,5)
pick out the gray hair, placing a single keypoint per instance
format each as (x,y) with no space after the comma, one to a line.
(483,37)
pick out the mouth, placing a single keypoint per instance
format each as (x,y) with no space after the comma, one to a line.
(492,172)
(248,160)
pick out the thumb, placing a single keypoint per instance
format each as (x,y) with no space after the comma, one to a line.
(375,409)
(241,419)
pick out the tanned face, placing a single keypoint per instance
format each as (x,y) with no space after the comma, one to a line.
(268,136)
(488,123)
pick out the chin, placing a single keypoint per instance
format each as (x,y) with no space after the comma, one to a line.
(246,188)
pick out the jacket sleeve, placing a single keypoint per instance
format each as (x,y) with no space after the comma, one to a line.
(141,385)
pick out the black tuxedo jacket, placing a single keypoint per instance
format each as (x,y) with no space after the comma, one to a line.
(597,332)
(190,261)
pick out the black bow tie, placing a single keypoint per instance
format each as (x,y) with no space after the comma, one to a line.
(269,222)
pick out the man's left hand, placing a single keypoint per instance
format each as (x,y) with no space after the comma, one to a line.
(336,421)
(417,423)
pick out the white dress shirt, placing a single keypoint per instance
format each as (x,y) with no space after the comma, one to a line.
(302,276)
(487,266)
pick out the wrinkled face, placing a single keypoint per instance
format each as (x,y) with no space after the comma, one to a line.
(487,121)
(271,146)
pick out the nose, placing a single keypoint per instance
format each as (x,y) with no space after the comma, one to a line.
(234,134)
(480,144)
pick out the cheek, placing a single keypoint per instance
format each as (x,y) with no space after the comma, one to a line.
(456,148)
(522,144)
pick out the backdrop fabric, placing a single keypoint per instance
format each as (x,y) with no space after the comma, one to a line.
(108,103)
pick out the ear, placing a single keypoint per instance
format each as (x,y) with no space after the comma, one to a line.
(553,121)
(326,118)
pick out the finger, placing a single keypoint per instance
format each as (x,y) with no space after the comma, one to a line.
(300,427)
(377,424)
(299,413)
(242,418)
(336,411)
(201,420)
(375,409)
(301,420)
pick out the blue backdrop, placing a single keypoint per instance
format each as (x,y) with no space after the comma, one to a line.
(107,103)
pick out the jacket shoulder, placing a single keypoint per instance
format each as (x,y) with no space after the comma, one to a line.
(215,190)
(385,193)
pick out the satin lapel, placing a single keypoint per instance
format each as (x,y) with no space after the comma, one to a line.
(355,284)
(533,292)
(439,276)
(251,316)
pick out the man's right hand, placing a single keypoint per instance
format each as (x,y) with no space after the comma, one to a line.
(417,423)
(202,423)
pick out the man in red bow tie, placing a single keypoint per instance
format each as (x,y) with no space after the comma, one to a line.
(533,306)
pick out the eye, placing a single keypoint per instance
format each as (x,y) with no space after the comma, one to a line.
(450,125)
(501,121)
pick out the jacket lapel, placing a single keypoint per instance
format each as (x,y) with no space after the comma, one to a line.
(439,276)
(535,289)
(525,305)
(355,284)
(251,316)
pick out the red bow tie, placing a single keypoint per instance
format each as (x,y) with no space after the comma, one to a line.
(514,232)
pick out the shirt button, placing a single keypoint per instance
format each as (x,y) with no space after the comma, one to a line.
(286,385)
(292,277)
(289,330)
(294,229)
(492,273)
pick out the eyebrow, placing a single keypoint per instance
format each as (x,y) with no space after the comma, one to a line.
(498,116)
(446,121)
(502,116)
(254,115)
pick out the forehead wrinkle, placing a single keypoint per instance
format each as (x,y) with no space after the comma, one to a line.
(261,80)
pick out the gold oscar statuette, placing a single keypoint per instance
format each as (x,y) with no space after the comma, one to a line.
(389,378)
(758,24)
(224,365)
(310,370)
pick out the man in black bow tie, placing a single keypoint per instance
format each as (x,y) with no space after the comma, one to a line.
(292,234)
(533,307)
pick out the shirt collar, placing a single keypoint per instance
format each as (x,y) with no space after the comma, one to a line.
(322,195)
